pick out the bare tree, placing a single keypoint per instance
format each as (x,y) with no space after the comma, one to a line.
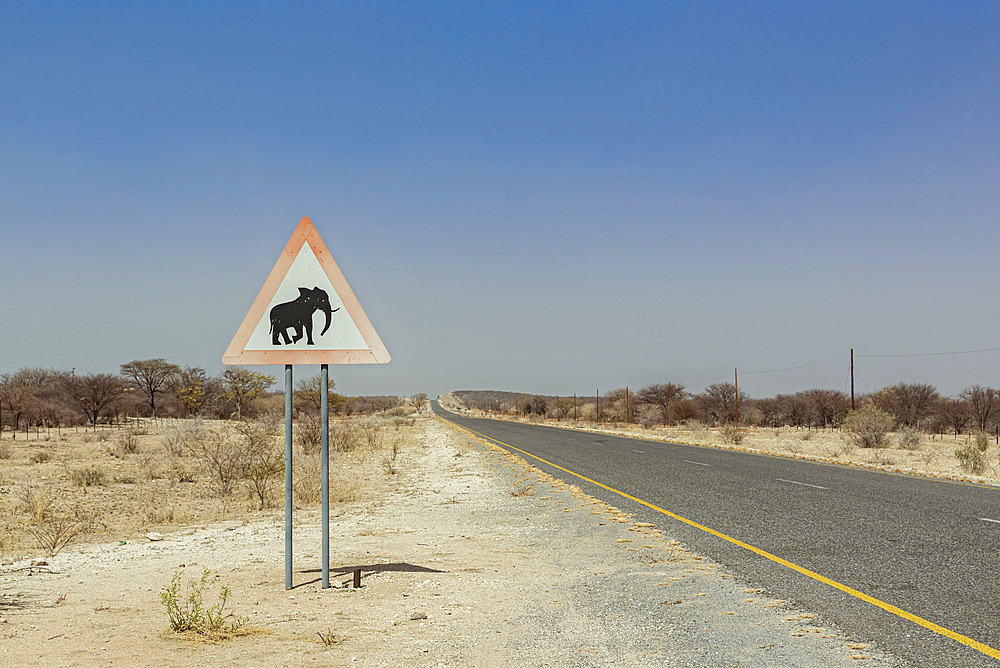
(954,413)
(241,386)
(719,402)
(660,395)
(151,376)
(825,408)
(983,404)
(911,403)
(95,394)
(419,400)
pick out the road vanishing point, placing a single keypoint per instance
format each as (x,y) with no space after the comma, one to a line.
(906,562)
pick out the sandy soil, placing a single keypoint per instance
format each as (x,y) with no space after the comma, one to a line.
(934,455)
(469,557)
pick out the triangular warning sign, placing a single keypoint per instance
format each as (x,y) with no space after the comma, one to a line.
(306,313)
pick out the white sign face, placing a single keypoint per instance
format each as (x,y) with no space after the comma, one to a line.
(306,313)
(297,316)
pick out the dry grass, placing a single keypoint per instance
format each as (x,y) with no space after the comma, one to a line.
(122,483)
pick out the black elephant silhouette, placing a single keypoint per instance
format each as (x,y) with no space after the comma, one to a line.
(298,315)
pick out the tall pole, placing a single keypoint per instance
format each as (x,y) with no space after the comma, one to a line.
(598,404)
(324,375)
(626,406)
(736,381)
(288,476)
(574,407)
(852,379)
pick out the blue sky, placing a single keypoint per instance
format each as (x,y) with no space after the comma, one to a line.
(546,197)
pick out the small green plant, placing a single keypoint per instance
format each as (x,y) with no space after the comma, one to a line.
(190,614)
(971,458)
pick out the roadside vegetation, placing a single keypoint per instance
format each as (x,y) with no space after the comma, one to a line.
(909,425)
(83,456)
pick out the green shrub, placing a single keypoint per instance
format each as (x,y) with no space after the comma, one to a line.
(189,613)
(868,427)
(971,458)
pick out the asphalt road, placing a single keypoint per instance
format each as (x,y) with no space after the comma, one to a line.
(923,545)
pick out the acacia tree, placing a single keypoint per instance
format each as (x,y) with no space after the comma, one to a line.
(95,394)
(311,391)
(419,400)
(660,395)
(189,386)
(151,376)
(241,386)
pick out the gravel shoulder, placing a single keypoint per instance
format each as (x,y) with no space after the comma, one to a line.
(472,558)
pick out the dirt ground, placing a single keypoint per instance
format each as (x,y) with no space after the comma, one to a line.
(470,557)
(933,456)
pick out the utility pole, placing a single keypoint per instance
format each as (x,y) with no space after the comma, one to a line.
(598,404)
(736,381)
(627,415)
(852,379)
(574,407)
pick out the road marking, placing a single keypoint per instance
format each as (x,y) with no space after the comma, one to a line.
(986,519)
(641,452)
(804,484)
(698,463)
(888,607)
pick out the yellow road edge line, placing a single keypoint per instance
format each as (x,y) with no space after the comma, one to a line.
(888,607)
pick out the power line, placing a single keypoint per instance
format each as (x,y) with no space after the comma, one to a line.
(801,366)
(954,352)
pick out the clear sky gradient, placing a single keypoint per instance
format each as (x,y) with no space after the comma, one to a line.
(547,197)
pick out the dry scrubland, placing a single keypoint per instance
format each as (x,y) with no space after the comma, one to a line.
(471,557)
(122,483)
(906,451)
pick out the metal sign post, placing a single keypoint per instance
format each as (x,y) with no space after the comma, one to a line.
(324,383)
(278,329)
(288,476)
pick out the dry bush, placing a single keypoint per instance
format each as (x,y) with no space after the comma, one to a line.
(221,455)
(182,437)
(309,433)
(306,479)
(345,436)
(697,428)
(806,435)
(908,438)
(264,459)
(126,442)
(371,430)
(32,500)
(57,528)
(390,465)
(6,452)
(89,476)
(39,457)
(734,434)
(868,427)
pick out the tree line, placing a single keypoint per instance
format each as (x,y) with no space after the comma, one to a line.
(915,405)
(34,397)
